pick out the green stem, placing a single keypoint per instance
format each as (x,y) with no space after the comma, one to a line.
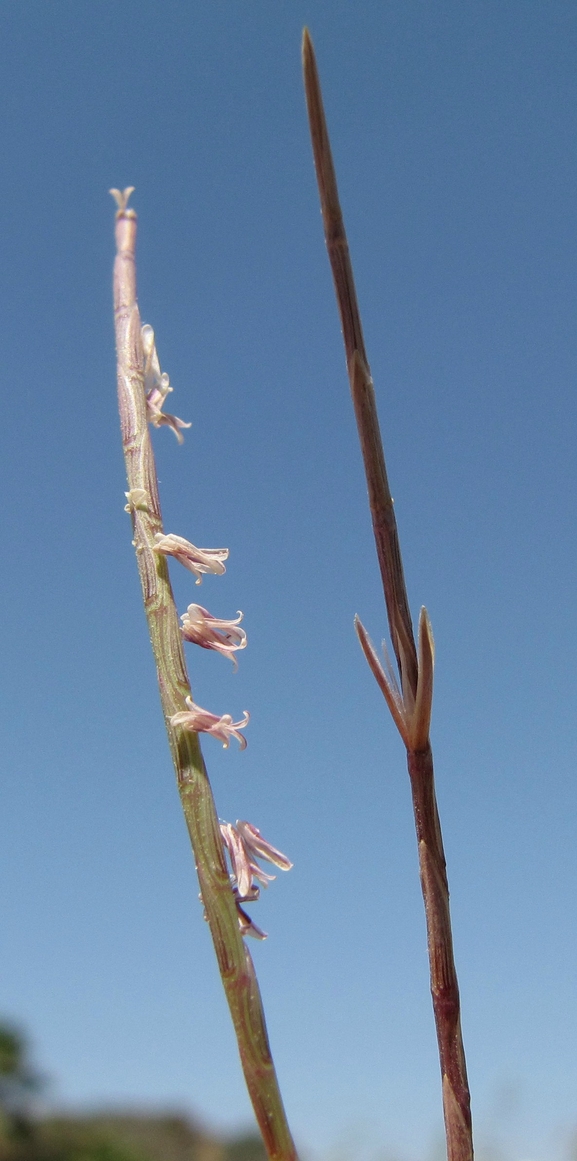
(234,961)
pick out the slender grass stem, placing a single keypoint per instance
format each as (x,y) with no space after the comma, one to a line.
(409,705)
(234,961)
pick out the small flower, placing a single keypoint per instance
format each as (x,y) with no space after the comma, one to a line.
(244,870)
(157,386)
(200,627)
(201,721)
(121,197)
(197,560)
(247,926)
(137,500)
(259,848)
(244,844)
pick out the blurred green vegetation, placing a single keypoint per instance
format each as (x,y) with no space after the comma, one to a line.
(27,1136)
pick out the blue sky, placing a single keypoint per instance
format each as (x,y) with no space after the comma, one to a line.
(454,130)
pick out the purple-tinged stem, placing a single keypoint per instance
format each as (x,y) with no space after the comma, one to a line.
(234,961)
(409,721)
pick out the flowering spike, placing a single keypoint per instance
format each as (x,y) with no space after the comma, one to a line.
(197,560)
(234,961)
(199,720)
(200,627)
(157,386)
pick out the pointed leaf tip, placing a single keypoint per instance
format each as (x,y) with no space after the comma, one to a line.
(421,720)
(307,49)
(386,682)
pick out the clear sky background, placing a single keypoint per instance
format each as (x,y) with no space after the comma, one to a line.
(455,138)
